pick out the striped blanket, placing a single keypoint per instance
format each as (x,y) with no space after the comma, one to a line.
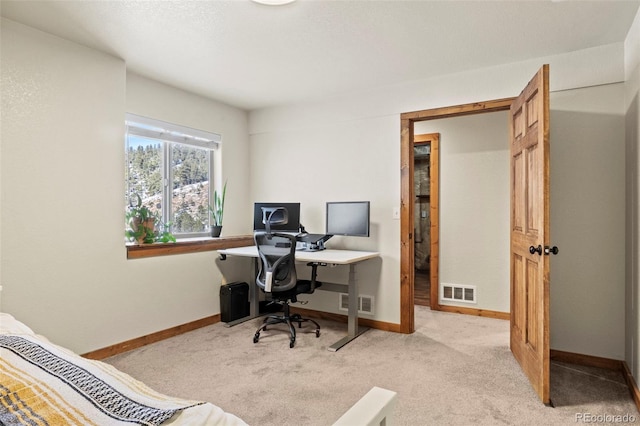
(45,384)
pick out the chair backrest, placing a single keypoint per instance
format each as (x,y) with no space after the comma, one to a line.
(277,262)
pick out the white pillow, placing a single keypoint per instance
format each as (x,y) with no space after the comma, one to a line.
(10,325)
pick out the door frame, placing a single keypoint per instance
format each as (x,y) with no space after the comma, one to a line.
(407,196)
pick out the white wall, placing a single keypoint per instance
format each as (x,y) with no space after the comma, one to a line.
(352,144)
(632,138)
(587,220)
(313,166)
(474,205)
(64,267)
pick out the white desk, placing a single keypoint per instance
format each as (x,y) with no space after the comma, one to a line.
(330,257)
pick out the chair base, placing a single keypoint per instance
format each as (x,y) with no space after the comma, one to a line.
(288,319)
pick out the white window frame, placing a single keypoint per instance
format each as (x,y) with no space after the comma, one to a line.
(168,134)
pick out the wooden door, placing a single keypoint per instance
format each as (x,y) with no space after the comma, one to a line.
(529,142)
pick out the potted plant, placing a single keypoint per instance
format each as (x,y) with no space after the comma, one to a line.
(217,211)
(142,225)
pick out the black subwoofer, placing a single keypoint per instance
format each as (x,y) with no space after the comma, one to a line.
(234,301)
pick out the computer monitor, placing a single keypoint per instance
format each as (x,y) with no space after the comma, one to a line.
(293,210)
(348,218)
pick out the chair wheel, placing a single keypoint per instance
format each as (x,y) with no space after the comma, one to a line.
(317,333)
(292,343)
(256,338)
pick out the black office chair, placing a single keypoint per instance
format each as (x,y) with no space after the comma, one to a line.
(277,273)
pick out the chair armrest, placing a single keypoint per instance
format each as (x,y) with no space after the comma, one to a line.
(268,282)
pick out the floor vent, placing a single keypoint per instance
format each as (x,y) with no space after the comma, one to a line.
(458,293)
(365,303)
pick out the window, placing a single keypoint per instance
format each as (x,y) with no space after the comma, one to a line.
(170,168)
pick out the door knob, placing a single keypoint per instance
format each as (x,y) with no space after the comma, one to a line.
(533,250)
(552,250)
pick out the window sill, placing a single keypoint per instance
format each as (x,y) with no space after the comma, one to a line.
(139,251)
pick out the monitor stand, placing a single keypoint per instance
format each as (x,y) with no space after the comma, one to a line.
(313,242)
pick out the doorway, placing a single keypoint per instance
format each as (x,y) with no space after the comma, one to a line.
(407,201)
(529,222)
(426,214)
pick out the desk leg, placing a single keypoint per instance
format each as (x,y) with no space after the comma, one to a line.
(353,330)
(254,303)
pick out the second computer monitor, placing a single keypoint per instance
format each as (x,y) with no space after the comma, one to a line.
(348,218)
(293,210)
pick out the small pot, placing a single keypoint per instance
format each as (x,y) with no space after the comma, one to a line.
(215,231)
(147,225)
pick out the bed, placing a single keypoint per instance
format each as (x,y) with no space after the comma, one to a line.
(45,384)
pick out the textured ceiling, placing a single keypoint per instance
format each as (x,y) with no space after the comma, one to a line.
(254,56)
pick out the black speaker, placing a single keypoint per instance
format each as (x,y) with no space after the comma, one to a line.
(234,301)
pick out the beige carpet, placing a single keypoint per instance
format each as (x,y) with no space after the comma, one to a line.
(455,369)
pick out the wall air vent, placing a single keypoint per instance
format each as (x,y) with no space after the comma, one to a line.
(458,293)
(365,303)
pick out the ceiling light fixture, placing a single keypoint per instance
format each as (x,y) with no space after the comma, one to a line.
(273,2)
